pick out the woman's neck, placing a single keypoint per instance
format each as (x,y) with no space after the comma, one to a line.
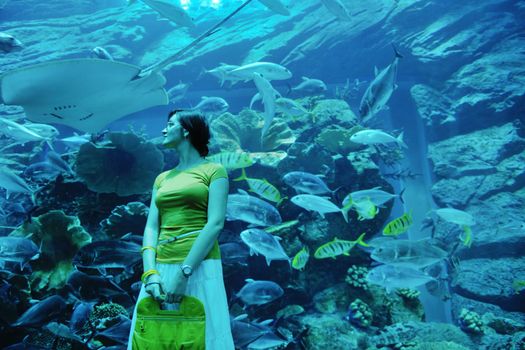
(189,159)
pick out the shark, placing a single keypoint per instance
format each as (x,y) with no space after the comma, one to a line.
(89,93)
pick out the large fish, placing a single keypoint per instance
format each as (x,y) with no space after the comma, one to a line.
(276,6)
(407,253)
(268,95)
(170,11)
(261,242)
(268,70)
(18,132)
(259,292)
(107,254)
(337,8)
(303,182)
(375,195)
(18,249)
(310,87)
(212,105)
(221,72)
(42,312)
(262,188)
(13,183)
(376,137)
(250,209)
(392,277)
(379,91)
(9,43)
(319,204)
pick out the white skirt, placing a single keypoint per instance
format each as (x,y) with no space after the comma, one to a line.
(207,284)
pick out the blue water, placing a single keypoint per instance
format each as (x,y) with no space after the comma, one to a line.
(457,96)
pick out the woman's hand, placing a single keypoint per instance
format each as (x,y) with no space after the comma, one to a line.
(155,288)
(176,288)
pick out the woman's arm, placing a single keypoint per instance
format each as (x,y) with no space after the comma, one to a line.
(151,233)
(217,198)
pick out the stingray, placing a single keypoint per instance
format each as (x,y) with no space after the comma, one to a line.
(89,93)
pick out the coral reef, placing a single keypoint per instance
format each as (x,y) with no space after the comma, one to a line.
(126,164)
(336,139)
(129,218)
(331,332)
(408,294)
(243,132)
(470,322)
(106,315)
(60,236)
(356,277)
(359,314)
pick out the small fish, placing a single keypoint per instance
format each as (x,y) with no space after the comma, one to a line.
(376,137)
(102,53)
(232,160)
(461,218)
(267,70)
(56,160)
(365,208)
(9,43)
(399,225)
(221,72)
(178,92)
(282,226)
(80,315)
(310,87)
(379,91)
(338,247)
(304,182)
(319,204)
(212,105)
(300,259)
(518,286)
(276,6)
(289,107)
(170,11)
(76,140)
(234,254)
(263,243)
(337,8)
(392,277)
(456,216)
(262,188)
(41,172)
(250,209)
(376,195)
(259,292)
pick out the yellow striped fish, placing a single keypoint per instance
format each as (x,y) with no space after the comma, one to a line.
(262,188)
(232,160)
(300,259)
(399,225)
(338,247)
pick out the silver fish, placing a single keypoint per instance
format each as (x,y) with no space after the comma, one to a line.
(250,209)
(379,91)
(259,292)
(261,242)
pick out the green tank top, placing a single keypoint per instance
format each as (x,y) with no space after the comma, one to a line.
(182,200)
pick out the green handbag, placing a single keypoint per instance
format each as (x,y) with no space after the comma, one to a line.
(181,329)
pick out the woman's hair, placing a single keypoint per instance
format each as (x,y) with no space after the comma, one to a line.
(197,126)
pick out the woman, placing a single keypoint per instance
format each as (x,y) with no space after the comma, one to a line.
(189,200)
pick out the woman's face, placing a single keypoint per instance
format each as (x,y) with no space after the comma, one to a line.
(173,133)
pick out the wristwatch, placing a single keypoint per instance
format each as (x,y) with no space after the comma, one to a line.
(187,270)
